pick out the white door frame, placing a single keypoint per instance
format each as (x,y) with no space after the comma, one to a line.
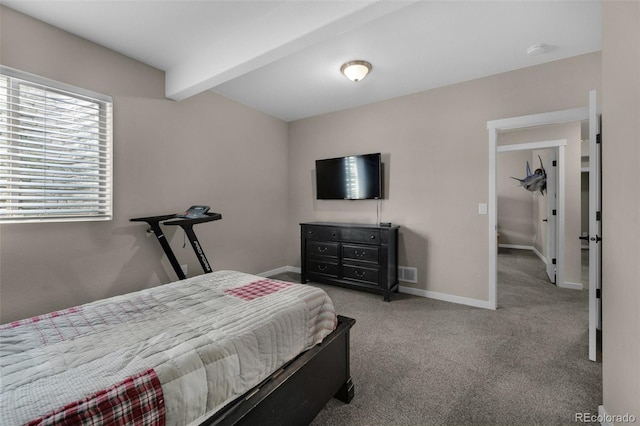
(552,219)
(595,226)
(494,127)
(560,145)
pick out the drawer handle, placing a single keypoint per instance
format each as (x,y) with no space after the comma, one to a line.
(373,237)
(322,249)
(333,234)
(359,253)
(360,274)
(322,268)
(310,232)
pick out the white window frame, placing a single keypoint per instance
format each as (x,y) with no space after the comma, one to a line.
(81,188)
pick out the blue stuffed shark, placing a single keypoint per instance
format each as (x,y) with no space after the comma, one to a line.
(536,181)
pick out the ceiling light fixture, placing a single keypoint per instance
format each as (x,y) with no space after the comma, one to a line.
(537,49)
(355,70)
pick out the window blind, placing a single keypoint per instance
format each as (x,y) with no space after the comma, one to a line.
(55,151)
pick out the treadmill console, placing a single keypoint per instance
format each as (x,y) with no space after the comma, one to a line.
(196,211)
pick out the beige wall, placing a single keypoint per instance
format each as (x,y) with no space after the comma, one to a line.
(621,206)
(167,156)
(435,148)
(515,204)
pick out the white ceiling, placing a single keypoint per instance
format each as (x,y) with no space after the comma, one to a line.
(283,57)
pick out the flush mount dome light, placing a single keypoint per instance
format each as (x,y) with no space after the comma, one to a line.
(355,70)
(537,49)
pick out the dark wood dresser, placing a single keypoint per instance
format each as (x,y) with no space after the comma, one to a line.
(358,256)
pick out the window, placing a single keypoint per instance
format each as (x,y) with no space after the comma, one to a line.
(55,151)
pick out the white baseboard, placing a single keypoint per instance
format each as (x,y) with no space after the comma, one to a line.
(280,270)
(544,259)
(515,246)
(521,247)
(445,297)
(408,290)
(572,286)
(477,303)
(295,269)
(602,413)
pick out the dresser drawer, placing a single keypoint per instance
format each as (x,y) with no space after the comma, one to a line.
(321,233)
(368,275)
(321,248)
(359,256)
(316,266)
(362,235)
(361,253)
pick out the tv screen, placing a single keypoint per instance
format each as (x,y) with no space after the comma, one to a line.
(357,177)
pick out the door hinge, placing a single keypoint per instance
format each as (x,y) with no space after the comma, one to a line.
(553,261)
(554,163)
(554,212)
(598,215)
(598,293)
(599,138)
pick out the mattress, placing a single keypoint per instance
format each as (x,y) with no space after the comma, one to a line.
(171,354)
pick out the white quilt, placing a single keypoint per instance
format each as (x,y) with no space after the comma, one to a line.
(207,339)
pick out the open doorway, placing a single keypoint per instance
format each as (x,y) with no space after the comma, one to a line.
(528,218)
(577,115)
(566,138)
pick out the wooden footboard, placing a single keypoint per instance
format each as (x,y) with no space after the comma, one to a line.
(296,393)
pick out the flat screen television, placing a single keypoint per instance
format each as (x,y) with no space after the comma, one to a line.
(356,177)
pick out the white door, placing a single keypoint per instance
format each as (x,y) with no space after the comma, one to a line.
(595,224)
(551,220)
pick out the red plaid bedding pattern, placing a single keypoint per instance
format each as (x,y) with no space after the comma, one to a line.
(70,323)
(169,354)
(136,401)
(39,318)
(257,289)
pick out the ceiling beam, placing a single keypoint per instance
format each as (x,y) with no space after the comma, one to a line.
(289,28)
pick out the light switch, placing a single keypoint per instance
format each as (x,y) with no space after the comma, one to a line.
(482,208)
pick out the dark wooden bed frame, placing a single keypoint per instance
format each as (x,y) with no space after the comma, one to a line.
(297,392)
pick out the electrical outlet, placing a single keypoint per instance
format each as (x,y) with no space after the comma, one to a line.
(482,208)
(184,269)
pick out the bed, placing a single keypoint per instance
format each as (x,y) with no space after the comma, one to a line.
(221,348)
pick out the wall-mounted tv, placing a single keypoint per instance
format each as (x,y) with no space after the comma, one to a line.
(356,177)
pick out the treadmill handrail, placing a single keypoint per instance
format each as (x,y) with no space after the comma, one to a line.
(187,225)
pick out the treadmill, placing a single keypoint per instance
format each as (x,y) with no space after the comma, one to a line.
(193,216)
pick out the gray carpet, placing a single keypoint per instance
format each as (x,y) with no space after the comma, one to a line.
(418,361)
